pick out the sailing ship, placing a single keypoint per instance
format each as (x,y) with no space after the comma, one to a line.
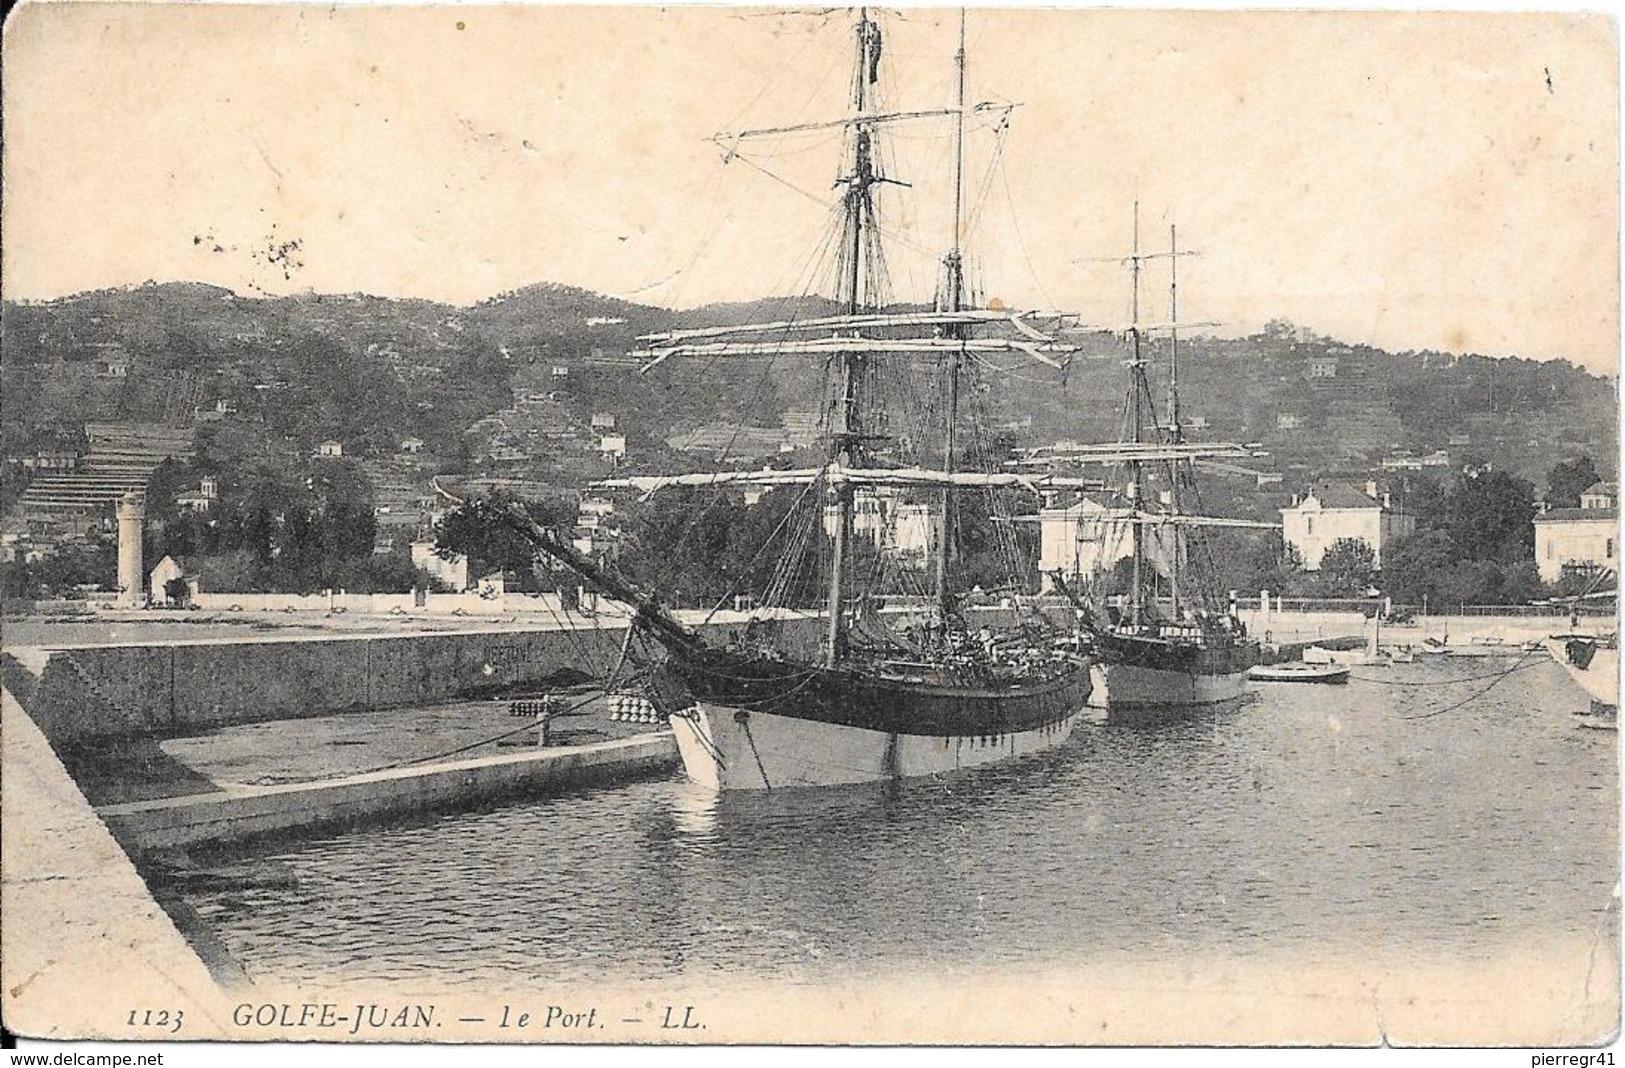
(877,701)
(1188,648)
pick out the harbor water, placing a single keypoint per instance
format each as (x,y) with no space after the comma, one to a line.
(1323,826)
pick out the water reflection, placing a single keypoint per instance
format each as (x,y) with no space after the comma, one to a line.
(694,812)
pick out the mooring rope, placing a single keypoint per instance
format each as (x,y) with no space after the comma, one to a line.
(1470,699)
(528,725)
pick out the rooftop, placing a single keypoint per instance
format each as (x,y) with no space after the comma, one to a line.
(1569,515)
(1340,495)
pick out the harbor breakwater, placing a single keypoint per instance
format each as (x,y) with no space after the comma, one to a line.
(102,708)
(81,693)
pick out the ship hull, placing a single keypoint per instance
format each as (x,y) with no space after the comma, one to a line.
(1137,673)
(1594,667)
(737,749)
(754,725)
(1135,686)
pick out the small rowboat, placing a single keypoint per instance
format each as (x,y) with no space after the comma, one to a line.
(1328,673)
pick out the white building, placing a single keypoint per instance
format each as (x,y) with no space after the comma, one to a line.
(51,461)
(1328,513)
(453,572)
(612,445)
(913,529)
(201,499)
(169,570)
(1402,462)
(1584,538)
(896,526)
(597,507)
(1600,495)
(1082,540)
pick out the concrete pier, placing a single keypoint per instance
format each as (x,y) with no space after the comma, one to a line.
(243,812)
(81,930)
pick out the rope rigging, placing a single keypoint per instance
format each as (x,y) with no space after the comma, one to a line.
(1499,678)
(899,418)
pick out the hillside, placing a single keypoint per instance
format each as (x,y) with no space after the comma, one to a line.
(265,377)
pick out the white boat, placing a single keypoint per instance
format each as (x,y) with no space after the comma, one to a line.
(1299,672)
(1319,655)
(1592,661)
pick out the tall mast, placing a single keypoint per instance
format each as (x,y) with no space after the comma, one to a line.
(1176,432)
(1175,428)
(954,267)
(1136,384)
(859,203)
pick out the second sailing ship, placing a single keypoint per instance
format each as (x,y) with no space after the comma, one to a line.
(1187,647)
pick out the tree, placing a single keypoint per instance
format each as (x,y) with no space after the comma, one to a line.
(700,547)
(1491,517)
(1413,568)
(987,551)
(1422,495)
(1470,582)
(341,519)
(67,567)
(1428,567)
(1566,481)
(1346,568)
(1250,561)
(1521,583)
(1119,581)
(476,530)
(389,573)
(17,581)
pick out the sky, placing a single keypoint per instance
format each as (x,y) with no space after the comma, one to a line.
(1444,181)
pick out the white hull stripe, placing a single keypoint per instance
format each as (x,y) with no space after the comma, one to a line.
(735,750)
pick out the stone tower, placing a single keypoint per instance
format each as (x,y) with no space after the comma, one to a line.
(132,584)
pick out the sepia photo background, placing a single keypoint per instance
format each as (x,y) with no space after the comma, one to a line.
(1411,180)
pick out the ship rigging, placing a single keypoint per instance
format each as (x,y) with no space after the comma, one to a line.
(881,698)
